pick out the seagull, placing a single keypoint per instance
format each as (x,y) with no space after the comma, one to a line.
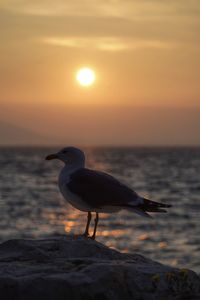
(98,192)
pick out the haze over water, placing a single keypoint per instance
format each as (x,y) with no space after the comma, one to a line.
(32,207)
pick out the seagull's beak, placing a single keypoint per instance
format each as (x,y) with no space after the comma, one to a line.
(51,156)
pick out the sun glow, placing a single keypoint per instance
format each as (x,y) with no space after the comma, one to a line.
(85,76)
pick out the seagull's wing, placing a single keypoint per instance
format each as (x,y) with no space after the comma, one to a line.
(99,189)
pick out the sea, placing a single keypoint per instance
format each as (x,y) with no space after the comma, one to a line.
(31,206)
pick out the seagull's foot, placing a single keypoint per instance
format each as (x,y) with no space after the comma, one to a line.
(85,235)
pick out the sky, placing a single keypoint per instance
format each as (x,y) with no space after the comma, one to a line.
(146,57)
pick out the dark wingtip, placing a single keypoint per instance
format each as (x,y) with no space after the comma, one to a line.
(158,204)
(168,205)
(162,210)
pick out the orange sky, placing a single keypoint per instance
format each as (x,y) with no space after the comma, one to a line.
(146,58)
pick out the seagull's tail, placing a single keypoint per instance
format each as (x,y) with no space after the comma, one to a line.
(153,206)
(146,206)
(138,211)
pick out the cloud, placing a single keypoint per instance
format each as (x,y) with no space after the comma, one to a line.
(106,43)
(59,7)
(149,23)
(129,9)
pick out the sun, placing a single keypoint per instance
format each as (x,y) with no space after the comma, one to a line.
(85,76)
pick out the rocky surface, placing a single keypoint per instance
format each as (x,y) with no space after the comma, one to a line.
(76,268)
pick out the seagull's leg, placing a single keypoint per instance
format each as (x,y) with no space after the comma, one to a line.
(89,217)
(95,226)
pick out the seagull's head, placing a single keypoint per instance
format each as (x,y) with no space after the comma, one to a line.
(69,155)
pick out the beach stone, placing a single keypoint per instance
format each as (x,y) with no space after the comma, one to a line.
(72,267)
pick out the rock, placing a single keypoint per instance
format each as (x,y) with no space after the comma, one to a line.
(76,268)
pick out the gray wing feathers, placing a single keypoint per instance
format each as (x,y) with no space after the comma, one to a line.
(99,189)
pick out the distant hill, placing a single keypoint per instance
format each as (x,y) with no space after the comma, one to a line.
(15,135)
